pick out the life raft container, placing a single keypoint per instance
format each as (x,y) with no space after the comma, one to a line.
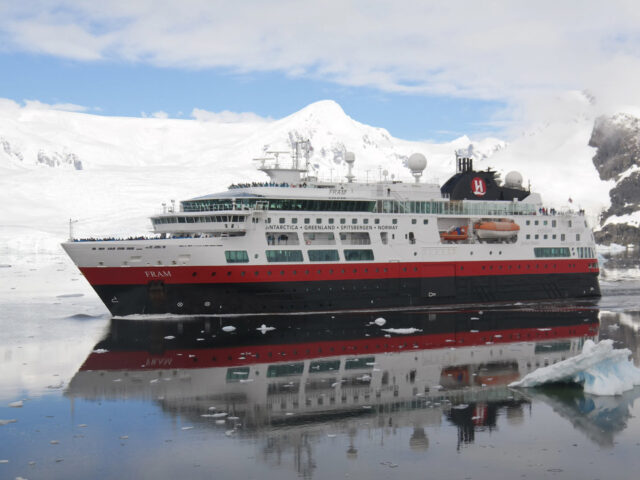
(496,229)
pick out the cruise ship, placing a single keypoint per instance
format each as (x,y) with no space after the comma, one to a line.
(294,243)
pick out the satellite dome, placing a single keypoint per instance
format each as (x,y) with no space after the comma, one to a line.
(349,157)
(513,180)
(417,162)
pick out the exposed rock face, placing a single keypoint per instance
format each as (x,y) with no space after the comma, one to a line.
(617,139)
(619,233)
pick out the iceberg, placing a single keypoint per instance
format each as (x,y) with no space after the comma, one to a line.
(600,369)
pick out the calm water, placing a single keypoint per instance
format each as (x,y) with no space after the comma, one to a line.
(423,395)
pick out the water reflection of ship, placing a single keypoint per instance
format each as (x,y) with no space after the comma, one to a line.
(320,369)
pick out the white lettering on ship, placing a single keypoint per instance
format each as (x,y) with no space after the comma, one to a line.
(158,274)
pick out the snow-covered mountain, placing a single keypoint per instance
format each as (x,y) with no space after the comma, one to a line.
(111,173)
(617,159)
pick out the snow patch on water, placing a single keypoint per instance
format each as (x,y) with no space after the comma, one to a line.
(402,331)
(600,369)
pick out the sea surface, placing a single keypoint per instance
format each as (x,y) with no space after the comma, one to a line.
(367,395)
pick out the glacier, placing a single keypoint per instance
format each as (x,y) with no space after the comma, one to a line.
(600,369)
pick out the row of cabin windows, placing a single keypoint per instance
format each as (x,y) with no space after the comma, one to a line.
(553,237)
(274,256)
(343,221)
(382,206)
(200,219)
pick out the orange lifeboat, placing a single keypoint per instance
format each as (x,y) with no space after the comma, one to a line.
(499,229)
(455,234)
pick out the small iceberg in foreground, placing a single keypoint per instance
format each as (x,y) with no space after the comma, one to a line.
(600,369)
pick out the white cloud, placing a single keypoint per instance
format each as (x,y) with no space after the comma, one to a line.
(227,117)
(67,107)
(160,114)
(503,50)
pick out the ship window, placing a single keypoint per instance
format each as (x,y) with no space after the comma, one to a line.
(528,236)
(319,238)
(545,222)
(384,237)
(569,222)
(394,221)
(536,237)
(536,222)
(365,221)
(318,220)
(284,255)
(236,256)
(577,237)
(553,223)
(413,221)
(376,221)
(358,255)
(528,222)
(545,236)
(354,220)
(343,221)
(553,236)
(425,221)
(551,252)
(562,237)
(281,220)
(306,220)
(284,370)
(323,256)
(331,221)
(294,220)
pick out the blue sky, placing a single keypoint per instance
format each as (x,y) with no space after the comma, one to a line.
(133,89)
(420,69)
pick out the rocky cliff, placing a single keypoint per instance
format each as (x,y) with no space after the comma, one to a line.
(617,158)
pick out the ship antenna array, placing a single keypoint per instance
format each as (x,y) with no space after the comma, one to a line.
(276,154)
(301,148)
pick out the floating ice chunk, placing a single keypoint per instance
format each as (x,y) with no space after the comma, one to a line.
(100,350)
(402,331)
(219,415)
(187,428)
(600,369)
(17,404)
(380,321)
(169,337)
(460,406)
(264,329)
(331,435)
(228,433)
(4,461)
(54,442)
(228,328)
(7,422)
(124,437)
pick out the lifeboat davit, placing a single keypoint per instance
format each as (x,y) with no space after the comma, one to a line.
(455,234)
(500,229)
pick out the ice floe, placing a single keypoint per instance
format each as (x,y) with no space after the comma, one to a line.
(228,328)
(380,321)
(402,331)
(264,329)
(600,369)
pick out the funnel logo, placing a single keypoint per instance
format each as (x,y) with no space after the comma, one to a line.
(478,187)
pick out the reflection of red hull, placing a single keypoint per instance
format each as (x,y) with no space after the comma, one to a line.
(254,354)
